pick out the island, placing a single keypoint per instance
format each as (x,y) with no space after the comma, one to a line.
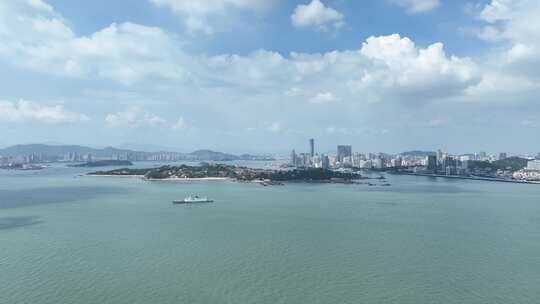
(237,173)
(104,163)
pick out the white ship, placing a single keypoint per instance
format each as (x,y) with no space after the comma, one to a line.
(193,199)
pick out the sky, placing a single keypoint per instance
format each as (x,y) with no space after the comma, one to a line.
(264,76)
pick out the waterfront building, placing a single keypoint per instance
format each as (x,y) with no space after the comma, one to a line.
(343,151)
(377,163)
(294,160)
(533,165)
(431,163)
(439,156)
(449,165)
(356,158)
(347,161)
(366,164)
(396,162)
(466,157)
(316,161)
(325,162)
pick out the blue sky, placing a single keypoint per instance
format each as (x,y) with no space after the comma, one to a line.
(265,76)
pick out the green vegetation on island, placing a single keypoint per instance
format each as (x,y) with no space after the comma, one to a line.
(234,172)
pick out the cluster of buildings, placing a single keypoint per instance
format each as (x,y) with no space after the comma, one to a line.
(345,158)
(531,172)
(37,158)
(438,163)
(77,157)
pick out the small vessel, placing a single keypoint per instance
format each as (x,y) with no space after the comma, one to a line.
(193,199)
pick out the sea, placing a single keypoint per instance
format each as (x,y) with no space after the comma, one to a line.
(70,238)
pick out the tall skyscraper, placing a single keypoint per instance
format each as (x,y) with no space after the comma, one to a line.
(294,160)
(312,147)
(439,156)
(431,163)
(343,151)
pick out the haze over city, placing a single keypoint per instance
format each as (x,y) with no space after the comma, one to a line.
(262,76)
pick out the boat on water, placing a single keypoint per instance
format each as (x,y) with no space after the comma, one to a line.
(193,199)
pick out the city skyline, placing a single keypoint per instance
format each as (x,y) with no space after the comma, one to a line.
(461,75)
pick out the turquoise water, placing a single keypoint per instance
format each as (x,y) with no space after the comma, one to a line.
(69,239)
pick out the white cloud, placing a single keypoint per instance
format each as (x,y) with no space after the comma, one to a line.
(396,63)
(41,5)
(133,117)
(318,15)
(326,97)
(198,15)
(129,54)
(27,111)
(417,6)
(33,35)
(512,69)
(387,68)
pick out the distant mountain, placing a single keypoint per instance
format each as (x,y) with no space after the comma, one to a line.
(147,147)
(59,151)
(418,153)
(212,155)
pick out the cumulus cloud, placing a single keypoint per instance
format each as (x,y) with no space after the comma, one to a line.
(417,6)
(27,111)
(198,15)
(133,117)
(384,65)
(33,35)
(396,63)
(129,53)
(512,69)
(316,14)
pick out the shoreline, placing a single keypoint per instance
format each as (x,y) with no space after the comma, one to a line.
(114,175)
(216,179)
(485,179)
(171,179)
(188,179)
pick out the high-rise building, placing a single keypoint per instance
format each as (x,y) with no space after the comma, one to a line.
(431,163)
(449,165)
(439,156)
(503,155)
(294,160)
(312,147)
(325,162)
(343,151)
